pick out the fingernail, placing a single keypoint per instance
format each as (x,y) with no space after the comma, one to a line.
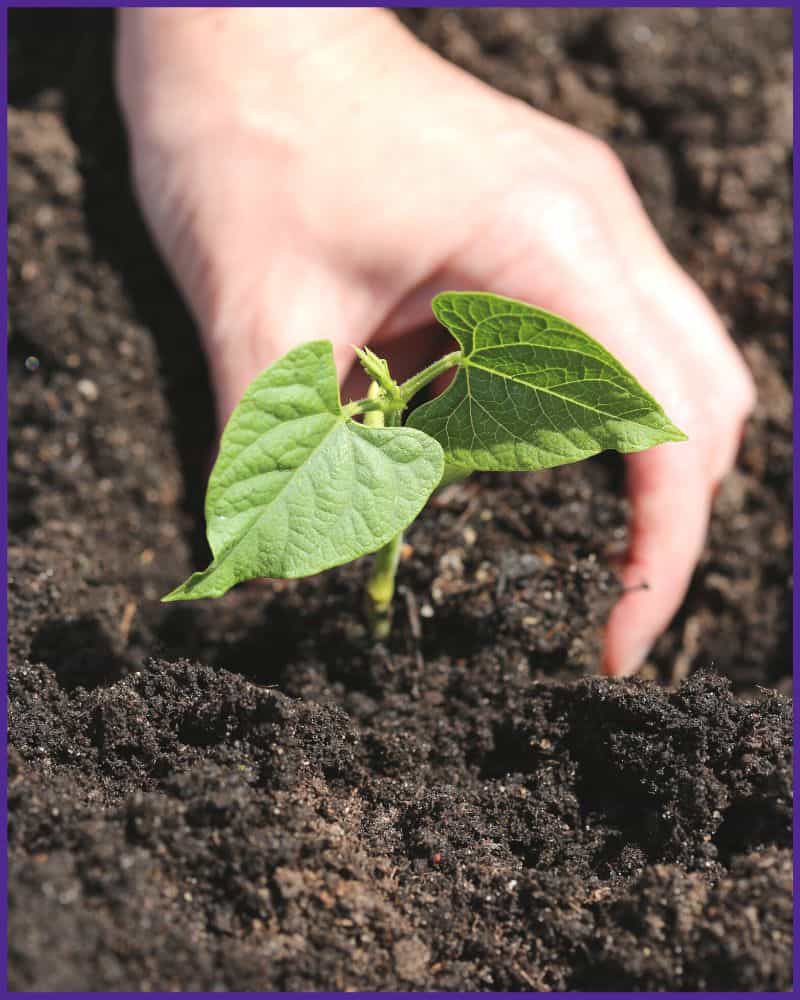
(634,661)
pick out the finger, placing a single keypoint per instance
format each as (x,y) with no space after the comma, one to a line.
(670,490)
(253,326)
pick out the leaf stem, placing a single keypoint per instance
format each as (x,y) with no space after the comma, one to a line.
(393,406)
(413,385)
(370,404)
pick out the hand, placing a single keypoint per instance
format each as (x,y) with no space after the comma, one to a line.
(322,174)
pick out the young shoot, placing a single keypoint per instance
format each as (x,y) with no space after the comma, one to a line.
(303,483)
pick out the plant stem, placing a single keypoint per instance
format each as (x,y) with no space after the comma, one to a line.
(413,385)
(380,586)
(373,414)
(373,405)
(380,409)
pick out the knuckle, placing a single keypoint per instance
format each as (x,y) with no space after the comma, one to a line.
(572,212)
(603,163)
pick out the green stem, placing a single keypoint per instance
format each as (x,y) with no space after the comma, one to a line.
(377,402)
(413,385)
(380,586)
(372,405)
(381,409)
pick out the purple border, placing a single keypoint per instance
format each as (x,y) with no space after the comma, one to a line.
(405,3)
(795,478)
(4,419)
(390,994)
(598,996)
(4,487)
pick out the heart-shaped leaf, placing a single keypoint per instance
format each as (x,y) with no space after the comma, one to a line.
(533,391)
(299,487)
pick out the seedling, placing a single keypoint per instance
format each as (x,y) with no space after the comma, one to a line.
(303,483)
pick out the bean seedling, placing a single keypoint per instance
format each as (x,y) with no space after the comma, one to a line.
(303,483)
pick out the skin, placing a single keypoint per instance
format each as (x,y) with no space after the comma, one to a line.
(319,172)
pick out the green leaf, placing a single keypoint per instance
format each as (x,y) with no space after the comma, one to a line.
(533,391)
(298,487)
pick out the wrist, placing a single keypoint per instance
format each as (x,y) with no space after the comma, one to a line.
(174,58)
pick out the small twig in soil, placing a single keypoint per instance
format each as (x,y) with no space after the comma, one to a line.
(414,623)
(127,620)
(467,513)
(523,975)
(413,612)
(558,627)
(511,519)
(690,644)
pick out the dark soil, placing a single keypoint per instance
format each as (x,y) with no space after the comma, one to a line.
(245,794)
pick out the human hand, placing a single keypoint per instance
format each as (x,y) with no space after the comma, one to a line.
(322,174)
